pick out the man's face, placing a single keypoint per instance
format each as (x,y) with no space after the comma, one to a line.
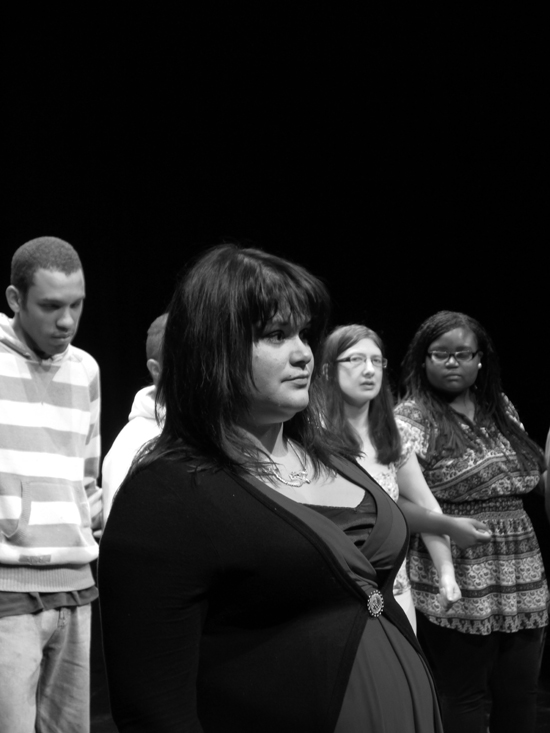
(48,320)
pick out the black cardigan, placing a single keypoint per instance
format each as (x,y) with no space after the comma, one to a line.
(220,606)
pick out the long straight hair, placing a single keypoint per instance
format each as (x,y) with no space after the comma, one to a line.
(493,409)
(219,306)
(381,422)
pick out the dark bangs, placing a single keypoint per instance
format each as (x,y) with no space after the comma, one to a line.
(280,288)
(206,382)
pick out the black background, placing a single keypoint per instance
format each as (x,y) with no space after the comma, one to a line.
(401,157)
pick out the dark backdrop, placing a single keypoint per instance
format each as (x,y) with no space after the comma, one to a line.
(401,158)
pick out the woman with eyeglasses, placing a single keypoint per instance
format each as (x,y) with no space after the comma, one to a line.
(479,462)
(359,407)
(247,566)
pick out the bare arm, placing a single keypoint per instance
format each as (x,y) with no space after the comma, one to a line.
(412,486)
(424,514)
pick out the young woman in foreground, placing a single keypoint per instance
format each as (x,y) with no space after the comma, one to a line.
(247,567)
(359,407)
(478,461)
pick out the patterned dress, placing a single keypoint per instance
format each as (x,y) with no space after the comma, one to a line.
(502,581)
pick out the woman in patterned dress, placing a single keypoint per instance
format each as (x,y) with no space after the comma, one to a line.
(358,406)
(478,461)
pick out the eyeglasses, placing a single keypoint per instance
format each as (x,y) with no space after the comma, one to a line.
(462,357)
(359,360)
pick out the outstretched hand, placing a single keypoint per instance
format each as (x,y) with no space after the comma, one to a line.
(467,531)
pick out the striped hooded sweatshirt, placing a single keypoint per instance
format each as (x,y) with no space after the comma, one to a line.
(49,461)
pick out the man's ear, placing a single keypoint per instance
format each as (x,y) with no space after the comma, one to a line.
(324,371)
(14,298)
(154,370)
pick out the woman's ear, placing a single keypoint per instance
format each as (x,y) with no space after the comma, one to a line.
(324,371)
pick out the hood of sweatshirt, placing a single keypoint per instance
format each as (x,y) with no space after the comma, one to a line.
(144,404)
(9,338)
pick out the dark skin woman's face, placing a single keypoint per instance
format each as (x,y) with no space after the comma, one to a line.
(453,376)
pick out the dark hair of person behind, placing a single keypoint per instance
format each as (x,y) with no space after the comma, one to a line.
(492,407)
(220,305)
(382,427)
(48,253)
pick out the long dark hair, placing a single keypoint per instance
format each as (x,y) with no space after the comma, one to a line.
(219,304)
(382,427)
(492,407)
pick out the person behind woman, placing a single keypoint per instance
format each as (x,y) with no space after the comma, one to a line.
(359,407)
(478,461)
(546,476)
(247,567)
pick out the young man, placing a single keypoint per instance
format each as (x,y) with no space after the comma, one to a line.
(49,458)
(142,424)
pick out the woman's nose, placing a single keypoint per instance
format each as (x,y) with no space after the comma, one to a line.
(368,366)
(302,351)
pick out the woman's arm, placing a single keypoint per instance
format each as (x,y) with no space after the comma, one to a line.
(440,552)
(413,486)
(154,575)
(424,514)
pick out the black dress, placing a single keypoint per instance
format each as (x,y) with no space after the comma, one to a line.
(389,688)
(228,607)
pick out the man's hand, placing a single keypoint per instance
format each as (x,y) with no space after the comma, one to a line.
(96,512)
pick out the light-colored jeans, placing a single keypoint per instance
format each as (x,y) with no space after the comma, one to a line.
(45,671)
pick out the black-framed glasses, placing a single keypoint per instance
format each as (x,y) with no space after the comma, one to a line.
(462,357)
(359,360)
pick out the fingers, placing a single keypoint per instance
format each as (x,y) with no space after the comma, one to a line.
(96,496)
(96,510)
(484,535)
(478,525)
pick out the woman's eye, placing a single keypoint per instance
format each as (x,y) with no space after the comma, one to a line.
(275,336)
(305,335)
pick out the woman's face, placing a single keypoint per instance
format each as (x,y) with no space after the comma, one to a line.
(282,364)
(359,379)
(451,375)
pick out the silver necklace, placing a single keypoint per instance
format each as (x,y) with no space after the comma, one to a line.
(295,478)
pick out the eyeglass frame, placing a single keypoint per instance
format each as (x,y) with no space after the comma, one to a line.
(453,355)
(383,361)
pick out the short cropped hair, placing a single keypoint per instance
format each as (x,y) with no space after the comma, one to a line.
(219,307)
(46,253)
(382,426)
(155,336)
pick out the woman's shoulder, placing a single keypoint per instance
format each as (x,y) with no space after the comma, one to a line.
(410,411)
(176,494)
(170,477)
(511,410)
(160,469)
(414,429)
